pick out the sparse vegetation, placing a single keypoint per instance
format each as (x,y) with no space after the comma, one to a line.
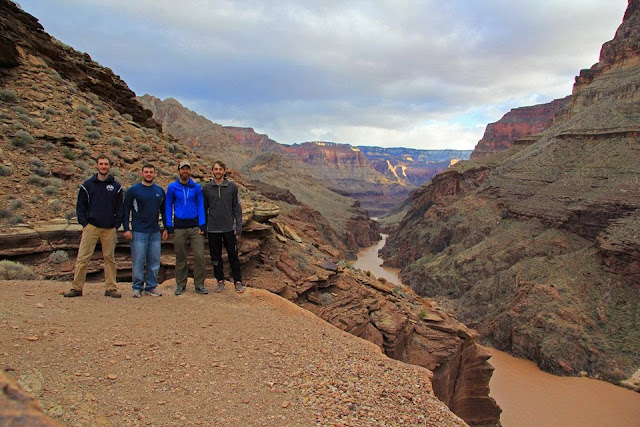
(11,270)
(22,139)
(48,146)
(16,219)
(127,138)
(94,134)
(20,110)
(5,170)
(36,123)
(145,148)
(84,109)
(115,141)
(127,117)
(58,257)
(67,153)
(325,298)
(115,152)
(422,314)
(52,111)
(5,213)
(16,204)
(91,122)
(50,190)
(8,95)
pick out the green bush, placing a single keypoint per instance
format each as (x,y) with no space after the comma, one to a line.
(127,117)
(115,152)
(22,138)
(51,110)
(145,148)
(8,95)
(5,170)
(67,153)
(115,141)
(16,219)
(84,109)
(94,134)
(36,123)
(50,190)
(128,138)
(36,162)
(17,124)
(48,146)
(11,270)
(92,122)
(5,213)
(58,257)
(16,204)
(67,101)
(36,180)
(20,110)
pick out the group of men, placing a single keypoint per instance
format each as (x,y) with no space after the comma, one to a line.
(188,211)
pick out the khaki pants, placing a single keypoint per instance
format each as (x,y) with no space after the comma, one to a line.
(108,238)
(191,236)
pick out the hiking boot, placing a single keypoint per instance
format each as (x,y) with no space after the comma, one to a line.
(179,291)
(153,292)
(239,287)
(72,293)
(220,287)
(137,293)
(202,290)
(112,293)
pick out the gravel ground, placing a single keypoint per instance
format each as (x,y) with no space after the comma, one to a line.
(227,359)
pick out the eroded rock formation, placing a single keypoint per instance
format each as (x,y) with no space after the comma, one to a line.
(538,245)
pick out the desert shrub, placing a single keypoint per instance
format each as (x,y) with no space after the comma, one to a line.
(36,162)
(17,124)
(22,138)
(5,213)
(49,86)
(8,95)
(56,182)
(94,134)
(127,117)
(132,177)
(24,117)
(51,110)
(16,219)
(11,270)
(48,146)
(83,165)
(101,107)
(58,257)
(16,204)
(51,190)
(67,101)
(84,109)
(67,153)
(128,138)
(325,298)
(20,110)
(36,123)
(91,122)
(41,172)
(69,215)
(37,180)
(117,122)
(57,205)
(115,152)
(5,170)
(56,77)
(93,97)
(114,140)
(145,148)
(422,314)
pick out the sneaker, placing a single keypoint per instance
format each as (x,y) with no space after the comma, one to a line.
(220,287)
(153,292)
(112,293)
(202,290)
(72,293)
(137,293)
(239,287)
(179,291)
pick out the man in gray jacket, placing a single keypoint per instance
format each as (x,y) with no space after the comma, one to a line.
(224,224)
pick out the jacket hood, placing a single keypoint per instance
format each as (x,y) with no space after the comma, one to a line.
(191,183)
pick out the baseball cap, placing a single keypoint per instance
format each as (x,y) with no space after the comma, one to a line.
(183,164)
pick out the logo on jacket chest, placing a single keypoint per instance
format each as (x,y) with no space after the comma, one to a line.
(110,187)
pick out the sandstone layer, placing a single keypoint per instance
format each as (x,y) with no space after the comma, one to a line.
(538,245)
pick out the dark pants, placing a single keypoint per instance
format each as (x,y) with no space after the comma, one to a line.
(215,249)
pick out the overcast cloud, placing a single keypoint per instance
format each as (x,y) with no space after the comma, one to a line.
(421,74)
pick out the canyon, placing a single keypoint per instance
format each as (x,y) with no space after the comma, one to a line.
(536,246)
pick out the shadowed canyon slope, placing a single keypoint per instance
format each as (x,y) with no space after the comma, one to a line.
(538,245)
(51,130)
(376,177)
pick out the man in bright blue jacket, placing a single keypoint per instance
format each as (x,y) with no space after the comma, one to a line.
(184,213)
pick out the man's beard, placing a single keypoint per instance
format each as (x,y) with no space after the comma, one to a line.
(148,181)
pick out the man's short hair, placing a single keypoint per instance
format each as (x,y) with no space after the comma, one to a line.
(103,156)
(219,163)
(148,166)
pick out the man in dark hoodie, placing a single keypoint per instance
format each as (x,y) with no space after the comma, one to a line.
(224,224)
(99,211)
(184,213)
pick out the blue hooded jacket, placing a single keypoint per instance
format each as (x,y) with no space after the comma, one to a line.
(100,203)
(184,206)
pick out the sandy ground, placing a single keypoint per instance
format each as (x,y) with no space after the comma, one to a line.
(225,359)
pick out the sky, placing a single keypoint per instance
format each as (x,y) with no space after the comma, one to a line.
(427,74)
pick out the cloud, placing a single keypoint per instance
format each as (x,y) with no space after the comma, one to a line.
(378,73)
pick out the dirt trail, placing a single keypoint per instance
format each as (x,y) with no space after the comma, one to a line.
(220,359)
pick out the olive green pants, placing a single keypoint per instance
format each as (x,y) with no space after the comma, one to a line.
(192,237)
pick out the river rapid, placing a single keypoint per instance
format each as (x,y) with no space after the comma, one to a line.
(530,397)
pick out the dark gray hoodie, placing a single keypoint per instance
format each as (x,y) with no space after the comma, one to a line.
(222,207)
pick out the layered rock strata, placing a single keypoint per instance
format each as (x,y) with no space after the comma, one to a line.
(538,245)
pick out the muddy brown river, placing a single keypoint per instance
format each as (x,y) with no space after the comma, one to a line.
(530,397)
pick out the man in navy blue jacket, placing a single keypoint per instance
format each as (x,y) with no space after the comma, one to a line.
(144,202)
(99,211)
(184,213)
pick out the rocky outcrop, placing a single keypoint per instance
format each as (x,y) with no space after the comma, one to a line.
(538,245)
(23,39)
(516,124)
(18,408)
